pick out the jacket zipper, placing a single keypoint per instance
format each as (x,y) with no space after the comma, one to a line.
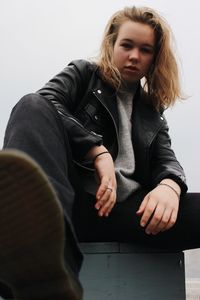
(79,124)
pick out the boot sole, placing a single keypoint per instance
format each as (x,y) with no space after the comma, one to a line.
(32,232)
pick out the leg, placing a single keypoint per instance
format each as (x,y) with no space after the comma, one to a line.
(32,232)
(36,129)
(123,224)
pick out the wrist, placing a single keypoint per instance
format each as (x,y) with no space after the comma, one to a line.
(171,185)
(94,151)
(98,155)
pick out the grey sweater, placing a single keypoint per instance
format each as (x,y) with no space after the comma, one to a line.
(125,162)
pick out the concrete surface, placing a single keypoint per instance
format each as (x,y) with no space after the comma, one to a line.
(192,273)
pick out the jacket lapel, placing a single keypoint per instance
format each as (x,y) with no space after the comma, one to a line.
(107,96)
(146,122)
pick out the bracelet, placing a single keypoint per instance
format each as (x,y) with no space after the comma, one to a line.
(99,155)
(170,188)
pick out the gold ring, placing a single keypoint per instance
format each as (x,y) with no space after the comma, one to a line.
(109,188)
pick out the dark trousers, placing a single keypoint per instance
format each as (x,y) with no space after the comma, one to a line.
(36,128)
(123,224)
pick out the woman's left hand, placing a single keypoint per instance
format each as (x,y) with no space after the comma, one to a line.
(159,209)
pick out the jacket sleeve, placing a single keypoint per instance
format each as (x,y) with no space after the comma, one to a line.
(164,163)
(66,91)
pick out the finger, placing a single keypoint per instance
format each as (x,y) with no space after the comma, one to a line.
(102,188)
(143,205)
(172,220)
(161,226)
(155,220)
(108,206)
(149,210)
(104,198)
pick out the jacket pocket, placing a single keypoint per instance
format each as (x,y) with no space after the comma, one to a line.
(92,118)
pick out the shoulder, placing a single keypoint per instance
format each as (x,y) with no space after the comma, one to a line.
(153,117)
(83,66)
(148,101)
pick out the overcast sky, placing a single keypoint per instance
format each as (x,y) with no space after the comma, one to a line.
(40,37)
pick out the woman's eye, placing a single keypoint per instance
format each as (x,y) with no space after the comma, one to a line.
(126,46)
(147,50)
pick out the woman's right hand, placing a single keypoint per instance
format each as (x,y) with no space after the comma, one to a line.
(105,173)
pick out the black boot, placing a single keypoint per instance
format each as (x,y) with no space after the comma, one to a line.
(32,233)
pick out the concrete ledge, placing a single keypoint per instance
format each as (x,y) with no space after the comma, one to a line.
(116,271)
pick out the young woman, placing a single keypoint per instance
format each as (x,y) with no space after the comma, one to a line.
(94,139)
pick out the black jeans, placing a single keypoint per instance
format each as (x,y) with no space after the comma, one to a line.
(36,128)
(123,224)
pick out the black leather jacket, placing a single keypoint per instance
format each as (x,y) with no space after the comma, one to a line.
(88,108)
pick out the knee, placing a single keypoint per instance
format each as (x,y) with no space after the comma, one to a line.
(34,106)
(32,102)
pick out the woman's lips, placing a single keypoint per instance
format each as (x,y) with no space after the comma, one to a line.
(132,68)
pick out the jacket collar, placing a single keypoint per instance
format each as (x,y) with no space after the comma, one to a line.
(144,116)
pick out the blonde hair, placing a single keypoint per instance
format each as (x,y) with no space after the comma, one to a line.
(162,81)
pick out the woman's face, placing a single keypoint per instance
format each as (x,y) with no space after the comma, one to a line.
(134,50)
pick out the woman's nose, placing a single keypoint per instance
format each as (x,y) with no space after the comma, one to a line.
(134,55)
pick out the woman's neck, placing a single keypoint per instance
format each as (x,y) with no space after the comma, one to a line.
(129,87)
